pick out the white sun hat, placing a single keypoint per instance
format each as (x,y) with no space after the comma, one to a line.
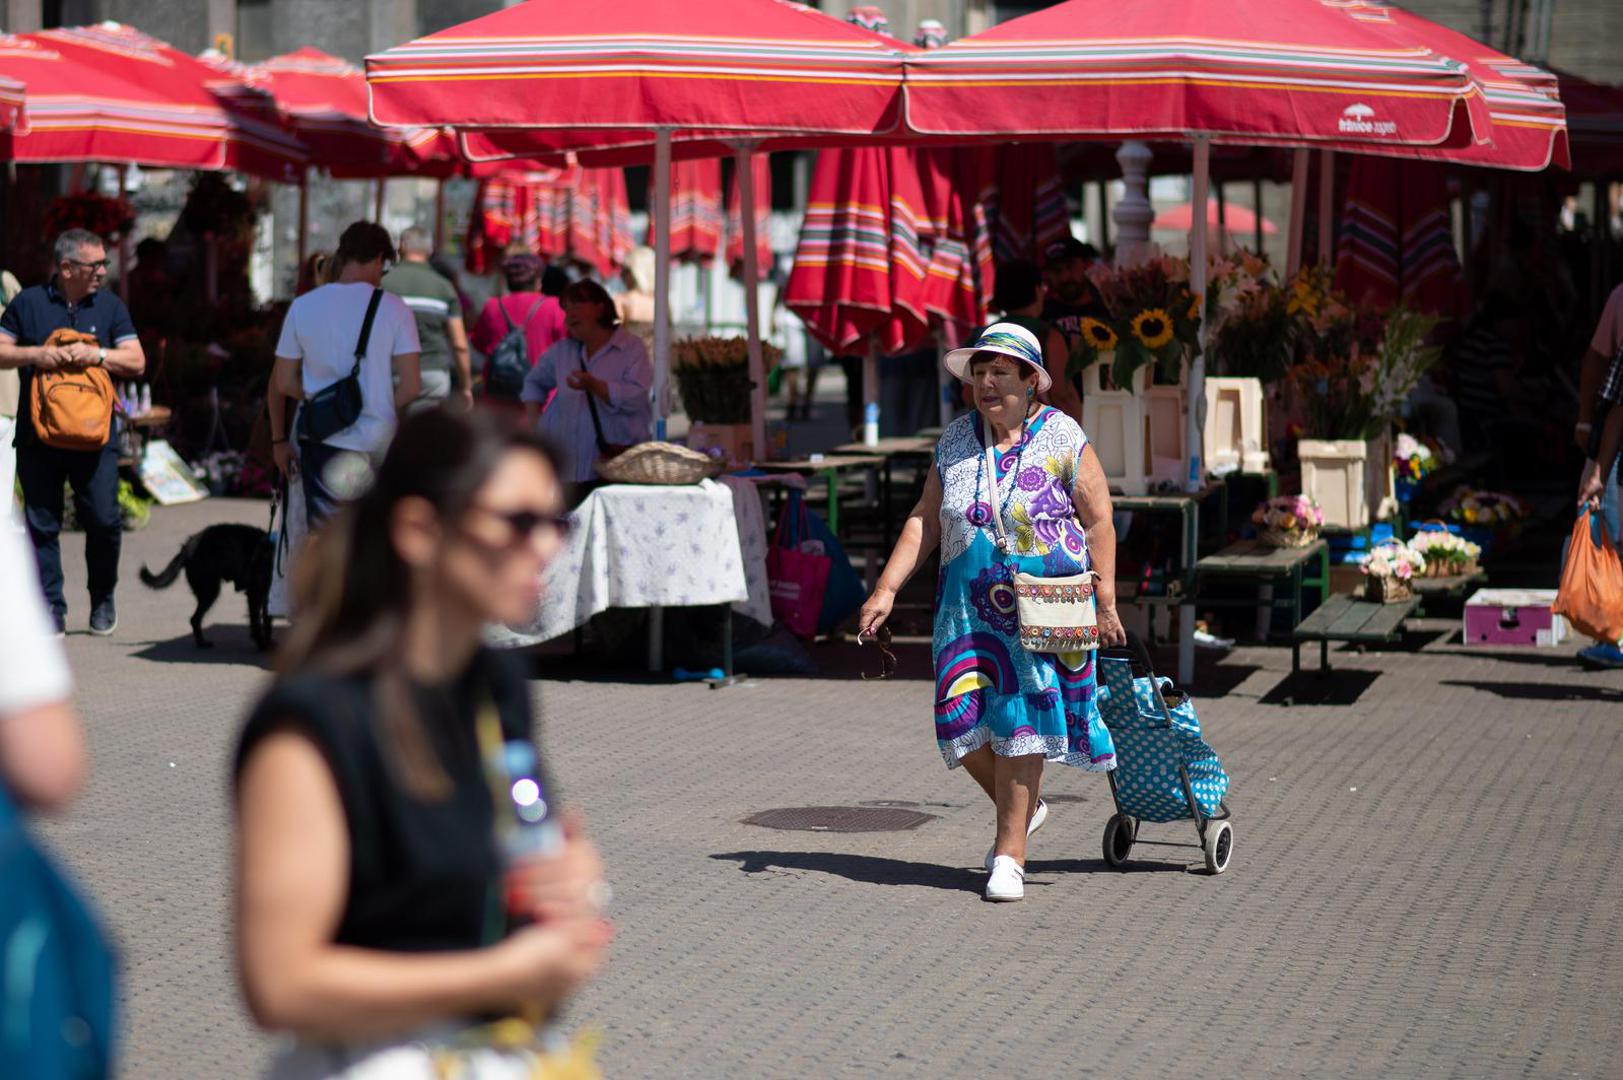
(1005,339)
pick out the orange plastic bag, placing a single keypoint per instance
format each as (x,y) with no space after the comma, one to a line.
(1591,592)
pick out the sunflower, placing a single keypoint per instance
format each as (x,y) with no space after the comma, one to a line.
(1153,328)
(1098,334)
(1194,309)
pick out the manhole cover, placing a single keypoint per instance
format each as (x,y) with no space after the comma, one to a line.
(840,818)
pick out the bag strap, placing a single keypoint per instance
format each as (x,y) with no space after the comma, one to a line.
(591,403)
(996,497)
(366,330)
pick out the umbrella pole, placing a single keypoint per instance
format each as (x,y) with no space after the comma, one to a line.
(439,213)
(125,250)
(304,216)
(870,392)
(752,295)
(1197,285)
(662,279)
(377,200)
(1293,243)
(1327,217)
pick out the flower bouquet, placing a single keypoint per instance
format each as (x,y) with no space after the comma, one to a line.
(1468,506)
(1250,326)
(1446,554)
(1153,319)
(712,374)
(1389,571)
(1289,521)
(1412,460)
(108,218)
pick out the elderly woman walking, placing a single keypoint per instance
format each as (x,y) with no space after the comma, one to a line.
(1015,489)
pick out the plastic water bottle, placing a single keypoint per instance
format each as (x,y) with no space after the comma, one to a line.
(146,398)
(534,829)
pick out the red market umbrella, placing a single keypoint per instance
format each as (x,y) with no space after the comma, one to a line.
(1246,71)
(12,95)
(110,93)
(761,168)
(745,67)
(959,278)
(696,219)
(859,272)
(576,214)
(1594,124)
(1397,237)
(324,101)
(1529,122)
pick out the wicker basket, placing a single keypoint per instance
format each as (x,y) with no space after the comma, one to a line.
(1287,538)
(1387,590)
(659,463)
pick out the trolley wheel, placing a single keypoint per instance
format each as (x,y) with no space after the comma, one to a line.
(1120,832)
(1219,846)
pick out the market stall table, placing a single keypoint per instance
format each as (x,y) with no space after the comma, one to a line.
(1187,507)
(1346,618)
(892,449)
(1268,566)
(645,546)
(828,469)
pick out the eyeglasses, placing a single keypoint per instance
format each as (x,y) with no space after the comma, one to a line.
(525,523)
(887,659)
(99,264)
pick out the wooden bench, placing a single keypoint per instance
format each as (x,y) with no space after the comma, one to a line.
(1344,618)
(1268,567)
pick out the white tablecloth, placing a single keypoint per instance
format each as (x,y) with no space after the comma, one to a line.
(643,546)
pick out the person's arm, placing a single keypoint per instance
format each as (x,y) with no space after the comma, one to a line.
(1592,485)
(292,881)
(42,754)
(921,532)
(13,355)
(286,381)
(539,382)
(461,361)
(1590,376)
(125,360)
(626,389)
(408,378)
(1091,495)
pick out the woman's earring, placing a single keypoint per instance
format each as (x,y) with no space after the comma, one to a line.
(1031,392)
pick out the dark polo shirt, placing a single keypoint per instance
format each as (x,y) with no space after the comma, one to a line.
(39,309)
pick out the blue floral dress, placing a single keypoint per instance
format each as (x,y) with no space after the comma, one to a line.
(990,689)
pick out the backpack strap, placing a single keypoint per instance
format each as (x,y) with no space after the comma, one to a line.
(366,330)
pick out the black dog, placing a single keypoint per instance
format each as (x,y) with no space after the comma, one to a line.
(240,554)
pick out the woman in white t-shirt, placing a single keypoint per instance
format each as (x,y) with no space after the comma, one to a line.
(317,349)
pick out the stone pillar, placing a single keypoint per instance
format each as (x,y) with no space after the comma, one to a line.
(1134,214)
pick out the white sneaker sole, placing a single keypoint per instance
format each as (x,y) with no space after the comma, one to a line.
(1038,820)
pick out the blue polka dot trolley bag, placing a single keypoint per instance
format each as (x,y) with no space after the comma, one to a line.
(1164,770)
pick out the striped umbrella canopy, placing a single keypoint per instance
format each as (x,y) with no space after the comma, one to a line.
(110,93)
(1397,237)
(575,214)
(740,67)
(761,168)
(859,273)
(324,101)
(12,96)
(1529,121)
(1244,71)
(697,221)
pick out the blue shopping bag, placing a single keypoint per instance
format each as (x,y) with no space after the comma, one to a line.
(1150,746)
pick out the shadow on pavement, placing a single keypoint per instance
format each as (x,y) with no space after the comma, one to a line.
(1219,680)
(231,645)
(876,870)
(1527,691)
(1336,687)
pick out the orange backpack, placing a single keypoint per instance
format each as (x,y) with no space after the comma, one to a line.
(72,409)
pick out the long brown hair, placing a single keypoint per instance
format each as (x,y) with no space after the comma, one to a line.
(352,591)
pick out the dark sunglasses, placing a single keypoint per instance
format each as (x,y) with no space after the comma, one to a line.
(887,659)
(524,523)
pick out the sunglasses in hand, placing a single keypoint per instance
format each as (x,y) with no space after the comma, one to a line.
(887,659)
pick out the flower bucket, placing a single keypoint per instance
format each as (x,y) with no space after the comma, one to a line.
(1387,590)
(1350,478)
(1235,426)
(1114,422)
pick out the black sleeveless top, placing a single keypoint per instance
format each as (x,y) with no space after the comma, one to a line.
(420,872)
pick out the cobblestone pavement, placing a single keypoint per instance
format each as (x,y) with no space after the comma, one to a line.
(1425,880)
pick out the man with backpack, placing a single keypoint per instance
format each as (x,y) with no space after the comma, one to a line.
(348,354)
(69,340)
(515,329)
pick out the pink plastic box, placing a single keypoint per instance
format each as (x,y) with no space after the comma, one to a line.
(1513,617)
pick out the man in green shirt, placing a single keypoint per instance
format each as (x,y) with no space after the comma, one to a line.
(434,301)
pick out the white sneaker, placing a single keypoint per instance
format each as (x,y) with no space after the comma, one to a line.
(1038,816)
(1008,880)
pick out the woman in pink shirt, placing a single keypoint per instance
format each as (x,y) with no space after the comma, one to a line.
(541,317)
